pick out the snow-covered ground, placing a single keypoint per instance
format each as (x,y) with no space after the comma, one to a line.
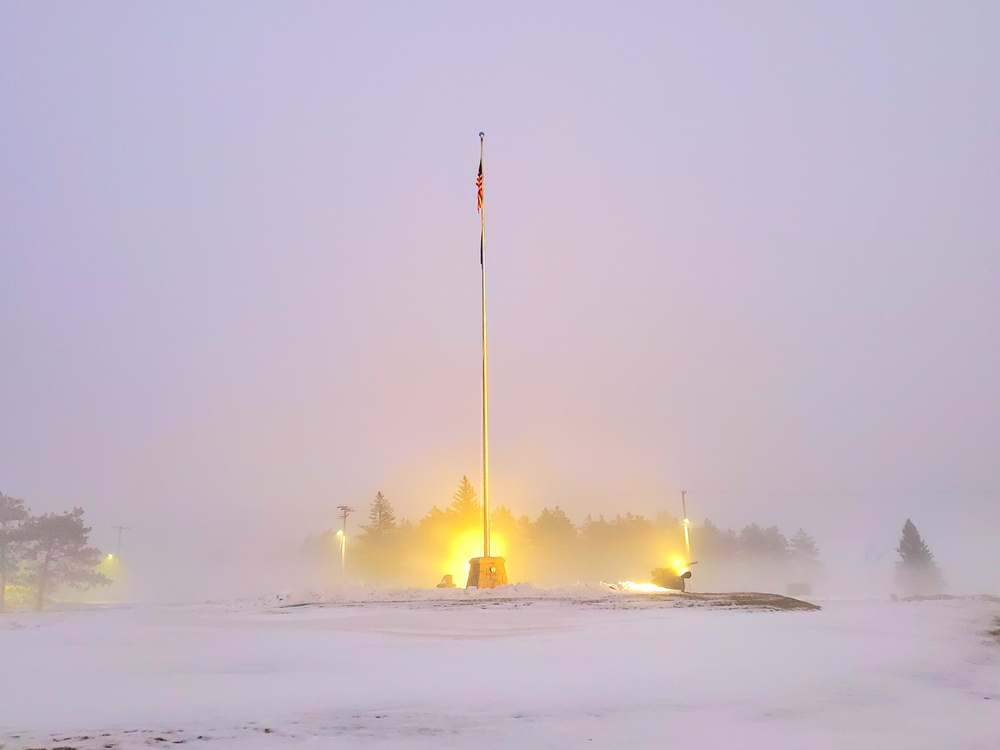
(520,667)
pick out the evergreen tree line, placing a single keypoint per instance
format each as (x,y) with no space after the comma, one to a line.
(38,554)
(551,549)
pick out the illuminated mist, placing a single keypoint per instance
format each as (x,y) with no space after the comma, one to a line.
(745,251)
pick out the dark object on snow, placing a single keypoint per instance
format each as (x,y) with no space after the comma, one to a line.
(669,578)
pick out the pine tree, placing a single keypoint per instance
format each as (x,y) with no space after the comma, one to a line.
(763,544)
(503,526)
(465,509)
(917,573)
(805,556)
(803,546)
(378,545)
(57,551)
(12,516)
(553,531)
(551,549)
(751,543)
(716,546)
(381,517)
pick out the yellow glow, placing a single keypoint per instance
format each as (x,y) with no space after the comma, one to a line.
(678,563)
(466,545)
(649,588)
(109,566)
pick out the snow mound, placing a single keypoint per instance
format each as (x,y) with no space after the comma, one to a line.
(620,595)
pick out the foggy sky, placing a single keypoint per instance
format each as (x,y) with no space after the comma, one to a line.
(750,252)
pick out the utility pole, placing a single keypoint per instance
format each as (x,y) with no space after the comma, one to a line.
(687,524)
(118,559)
(345,511)
(118,551)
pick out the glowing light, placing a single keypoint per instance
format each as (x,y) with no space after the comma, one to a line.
(647,588)
(678,564)
(466,545)
(109,565)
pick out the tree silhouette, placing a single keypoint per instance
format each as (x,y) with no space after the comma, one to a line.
(56,546)
(465,509)
(553,531)
(378,544)
(381,517)
(715,546)
(12,516)
(917,573)
(804,557)
(505,527)
(757,544)
(763,558)
(550,549)
(503,521)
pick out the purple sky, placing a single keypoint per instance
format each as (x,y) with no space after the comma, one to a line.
(750,252)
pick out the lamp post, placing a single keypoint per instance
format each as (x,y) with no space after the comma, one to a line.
(118,550)
(687,524)
(345,511)
(343,551)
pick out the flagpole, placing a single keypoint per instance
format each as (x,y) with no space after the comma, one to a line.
(486,422)
(485,572)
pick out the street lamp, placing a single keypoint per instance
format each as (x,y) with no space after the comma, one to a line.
(687,524)
(342,537)
(345,511)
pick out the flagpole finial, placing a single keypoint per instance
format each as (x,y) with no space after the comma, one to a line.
(481,135)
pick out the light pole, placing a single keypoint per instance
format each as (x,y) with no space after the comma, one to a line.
(118,552)
(345,511)
(687,531)
(687,523)
(118,558)
(343,551)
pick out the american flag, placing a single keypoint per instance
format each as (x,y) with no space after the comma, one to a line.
(479,187)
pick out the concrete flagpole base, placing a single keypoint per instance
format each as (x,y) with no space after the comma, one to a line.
(487,573)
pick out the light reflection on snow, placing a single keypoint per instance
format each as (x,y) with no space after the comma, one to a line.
(650,588)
